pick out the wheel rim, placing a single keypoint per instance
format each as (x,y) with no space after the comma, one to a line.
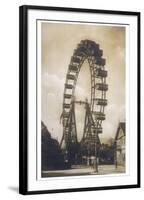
(90,51)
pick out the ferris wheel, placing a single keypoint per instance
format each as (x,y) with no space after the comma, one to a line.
(90,51)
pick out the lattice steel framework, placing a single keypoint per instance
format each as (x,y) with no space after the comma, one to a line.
(90,51)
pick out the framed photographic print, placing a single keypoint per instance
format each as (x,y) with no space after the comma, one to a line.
(79,99)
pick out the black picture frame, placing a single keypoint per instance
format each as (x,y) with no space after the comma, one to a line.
(23,97)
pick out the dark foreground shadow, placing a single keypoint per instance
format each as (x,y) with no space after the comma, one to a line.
(14,189)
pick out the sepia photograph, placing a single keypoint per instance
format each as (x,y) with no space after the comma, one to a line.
(83,119)
(79,99)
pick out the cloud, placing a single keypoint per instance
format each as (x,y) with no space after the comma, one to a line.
(52,82)
(114,114)
(58,44)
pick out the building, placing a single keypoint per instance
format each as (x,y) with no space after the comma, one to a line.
(120,145)
(51,154)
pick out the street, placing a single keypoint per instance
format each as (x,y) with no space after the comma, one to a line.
(84,170)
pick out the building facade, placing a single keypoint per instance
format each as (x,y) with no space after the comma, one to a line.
(120,144)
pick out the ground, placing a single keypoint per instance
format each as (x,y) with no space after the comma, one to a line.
(84,170)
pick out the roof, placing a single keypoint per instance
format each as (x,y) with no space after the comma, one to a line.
(44,130)
(120,126)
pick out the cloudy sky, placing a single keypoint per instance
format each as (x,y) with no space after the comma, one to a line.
(58,42)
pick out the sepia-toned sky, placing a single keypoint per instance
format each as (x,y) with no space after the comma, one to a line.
(58,43)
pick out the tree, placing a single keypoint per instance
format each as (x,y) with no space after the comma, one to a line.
(52,157)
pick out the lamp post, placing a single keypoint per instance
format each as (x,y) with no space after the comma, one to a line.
(96,153)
